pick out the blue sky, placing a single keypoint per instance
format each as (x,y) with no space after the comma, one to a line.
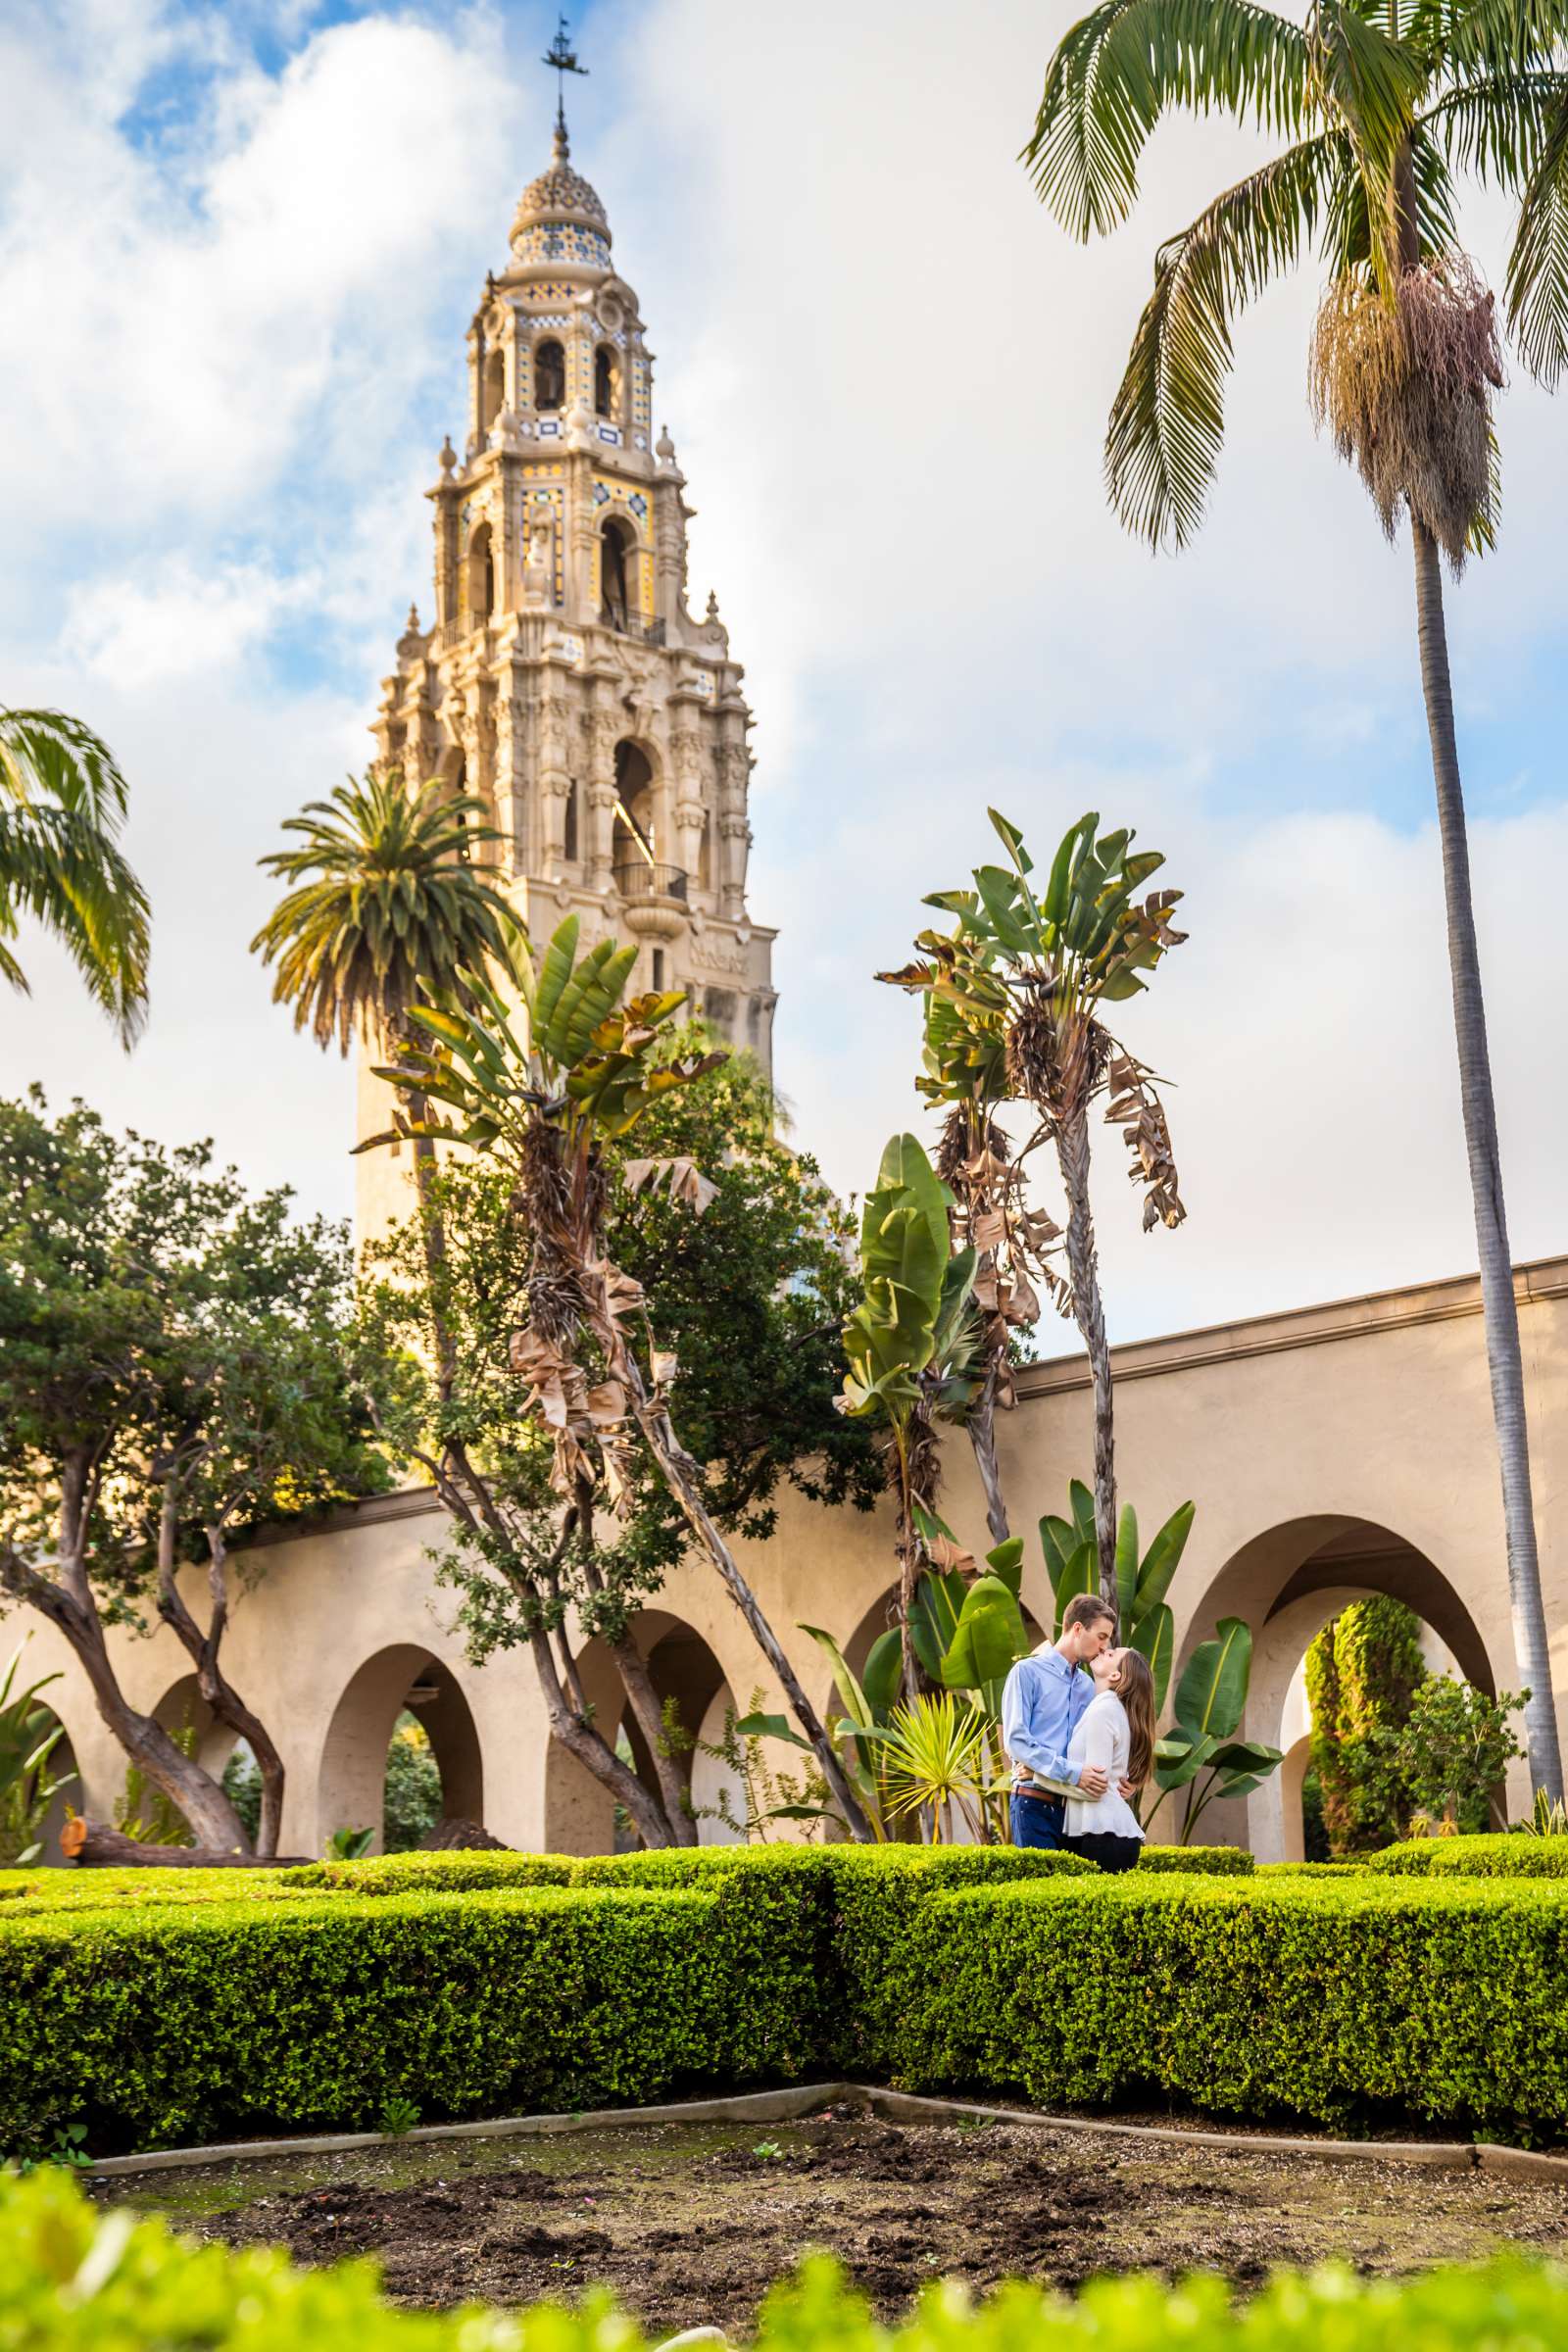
(238,251)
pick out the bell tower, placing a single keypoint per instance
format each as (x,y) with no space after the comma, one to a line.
(563,680)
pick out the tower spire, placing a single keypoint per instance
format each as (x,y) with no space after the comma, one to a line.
(562,56)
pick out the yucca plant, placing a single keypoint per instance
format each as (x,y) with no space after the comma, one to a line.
(1383,108)
(545,1089)
(936,1766)
(63,807)
(1027,976)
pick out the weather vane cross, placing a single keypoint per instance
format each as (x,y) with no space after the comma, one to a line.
(564,58)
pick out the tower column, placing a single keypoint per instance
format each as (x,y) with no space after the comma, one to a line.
(604,728)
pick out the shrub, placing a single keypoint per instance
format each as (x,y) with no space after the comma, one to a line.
(1499,1856)
(1345,2000)
(1209,1861)
(151,2288)
(188,2023)
(433,1874)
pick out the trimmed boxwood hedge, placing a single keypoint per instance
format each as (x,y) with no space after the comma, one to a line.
(1488,1857)
(1208,1861)
(1348,2002)
(79,2280)
(193,2023)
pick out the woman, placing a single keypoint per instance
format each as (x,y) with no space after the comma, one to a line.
(1117,1730)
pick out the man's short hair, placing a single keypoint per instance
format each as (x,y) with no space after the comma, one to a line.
(1086,1608)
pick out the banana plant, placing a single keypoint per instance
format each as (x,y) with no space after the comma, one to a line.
(1026,974)
(1202,1753)
(969,1634)
(911,1347)
(29,1735)
(869,1701)
(1147,1624)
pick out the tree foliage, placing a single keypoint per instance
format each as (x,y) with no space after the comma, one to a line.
(172,1370)
(1363,1672)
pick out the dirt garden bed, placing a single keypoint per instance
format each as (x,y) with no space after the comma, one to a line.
(689,2222)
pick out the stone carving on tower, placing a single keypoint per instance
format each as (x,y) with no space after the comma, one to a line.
(562,679)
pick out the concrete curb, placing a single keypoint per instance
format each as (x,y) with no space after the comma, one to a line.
(899,2106)
(747,2107)
(1436,2155)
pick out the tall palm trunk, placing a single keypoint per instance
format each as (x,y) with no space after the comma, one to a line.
(982,1427)
(1089,1314)
(1499,1306)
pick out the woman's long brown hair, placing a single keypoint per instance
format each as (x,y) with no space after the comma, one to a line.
(1134,1687)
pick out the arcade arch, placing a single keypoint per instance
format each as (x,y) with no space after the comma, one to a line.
(683,1667)
(1286,1584)
(352,1780)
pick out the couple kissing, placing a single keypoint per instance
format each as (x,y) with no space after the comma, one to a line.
(1078,1724)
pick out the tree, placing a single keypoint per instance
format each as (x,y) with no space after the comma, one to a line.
(573,1523)
(1452,1750)
(1362,1675)
(62,803)
(1029,976)
(171,1369)
(1381,111)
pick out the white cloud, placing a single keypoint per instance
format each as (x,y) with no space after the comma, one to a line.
(141,633)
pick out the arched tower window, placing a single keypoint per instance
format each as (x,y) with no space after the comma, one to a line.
(607,381)
(570,848)
(548,376)
(634,850)
(613,570)
(481,577)
(495,386)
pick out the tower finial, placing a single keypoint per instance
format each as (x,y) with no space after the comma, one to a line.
(564,58)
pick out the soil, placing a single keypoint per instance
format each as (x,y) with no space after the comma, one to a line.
(688,2223)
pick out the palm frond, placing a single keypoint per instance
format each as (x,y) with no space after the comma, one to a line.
(63,801)
(1168,417)
(1536,286)
(1126,62)
(1498,127)
(1503,38)
(1369,85)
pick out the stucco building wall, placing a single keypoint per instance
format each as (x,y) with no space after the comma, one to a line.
(1335,1450)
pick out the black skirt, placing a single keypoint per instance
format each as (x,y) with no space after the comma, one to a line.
(1106,1849)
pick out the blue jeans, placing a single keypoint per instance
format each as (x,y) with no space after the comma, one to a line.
(1036,1820)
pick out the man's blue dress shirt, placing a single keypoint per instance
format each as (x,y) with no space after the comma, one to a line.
(1041,1700)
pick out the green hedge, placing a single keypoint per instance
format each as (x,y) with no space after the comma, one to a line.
(1208,1861)
(1347,2002)
(180,2024)
(1491,1857)
(148,2287)
(433,1874)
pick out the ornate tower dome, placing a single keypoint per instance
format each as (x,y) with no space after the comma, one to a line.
(560,217)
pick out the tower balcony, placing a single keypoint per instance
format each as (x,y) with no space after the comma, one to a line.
(654,896)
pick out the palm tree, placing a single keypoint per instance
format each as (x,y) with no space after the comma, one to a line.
(63,801)
(389,907)
(1383,107)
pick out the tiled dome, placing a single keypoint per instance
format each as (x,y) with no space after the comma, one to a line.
(560,197)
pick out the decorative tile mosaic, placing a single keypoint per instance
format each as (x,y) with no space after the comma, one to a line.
(610,433)
(562,241)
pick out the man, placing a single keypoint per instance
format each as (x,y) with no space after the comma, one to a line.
(1041,1700)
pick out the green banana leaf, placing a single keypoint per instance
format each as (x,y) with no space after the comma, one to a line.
(1162,1558)
(1154,1637)
(990,1636)
(1179,1759)
(1211,1695)
(1006,1562)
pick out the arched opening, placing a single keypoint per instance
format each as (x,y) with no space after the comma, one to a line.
(607,381)
(403,1682)
(1286,1584)
(481,576)
(548,374)
(614,573)
(634,849)
(495,386)
(572,843)
(581,1816)
(704,854)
